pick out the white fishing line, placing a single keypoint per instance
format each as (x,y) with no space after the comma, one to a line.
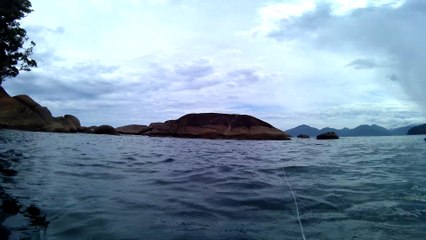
(295,203)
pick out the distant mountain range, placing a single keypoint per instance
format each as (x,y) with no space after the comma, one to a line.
(360,131)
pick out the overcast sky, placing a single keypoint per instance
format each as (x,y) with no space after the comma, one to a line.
(330,63)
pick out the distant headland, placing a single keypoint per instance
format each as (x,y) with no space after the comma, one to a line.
(359,131)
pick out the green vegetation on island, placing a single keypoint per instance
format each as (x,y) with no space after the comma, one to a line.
(15,51)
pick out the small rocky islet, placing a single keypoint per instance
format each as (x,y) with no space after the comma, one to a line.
(217,126)
(327,136)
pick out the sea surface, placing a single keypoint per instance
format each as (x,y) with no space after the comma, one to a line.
(135,187)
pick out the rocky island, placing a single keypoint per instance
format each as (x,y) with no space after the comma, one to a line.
(327,136)
(23,113)
(217,126)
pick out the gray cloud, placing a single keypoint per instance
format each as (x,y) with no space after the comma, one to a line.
(303,26)
(41,31)
(91,90)
(101,93)
(244,76)
(194,75)
(43,53)
(93,68)
(193,70)
(388,33)
(83,81)
(362,63)
(393,77)
(45,57)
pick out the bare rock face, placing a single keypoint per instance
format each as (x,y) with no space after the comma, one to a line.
(304,136)
(90,129)
(166,129)
(42,112)
(23,113)
(327,136)
(217,126)
(133,129)
(105,129)
(73,120)
(67,123)
(14,114)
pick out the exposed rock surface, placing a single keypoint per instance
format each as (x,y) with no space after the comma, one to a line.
(105,129)
(90,129)
(327,136)
(22,112)
(303,136)
(134,129)
(72,120)
(217,126)
(418,130)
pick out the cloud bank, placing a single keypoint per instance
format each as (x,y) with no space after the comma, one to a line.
(392,33)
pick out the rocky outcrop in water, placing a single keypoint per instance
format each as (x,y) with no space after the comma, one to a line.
(327,136)
(133,129)
(304,136)
(105,129)
(217,126)
(23,113)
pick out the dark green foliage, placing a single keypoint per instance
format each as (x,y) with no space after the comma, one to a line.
(418,130)
(14,55)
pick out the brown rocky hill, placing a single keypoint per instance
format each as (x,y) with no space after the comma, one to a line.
(22,112)
(217,126)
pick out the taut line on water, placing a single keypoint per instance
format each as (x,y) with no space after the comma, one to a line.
(295,203)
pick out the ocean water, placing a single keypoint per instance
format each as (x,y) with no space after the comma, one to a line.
(135,187)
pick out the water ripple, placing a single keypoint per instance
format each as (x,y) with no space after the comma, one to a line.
(133,187)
